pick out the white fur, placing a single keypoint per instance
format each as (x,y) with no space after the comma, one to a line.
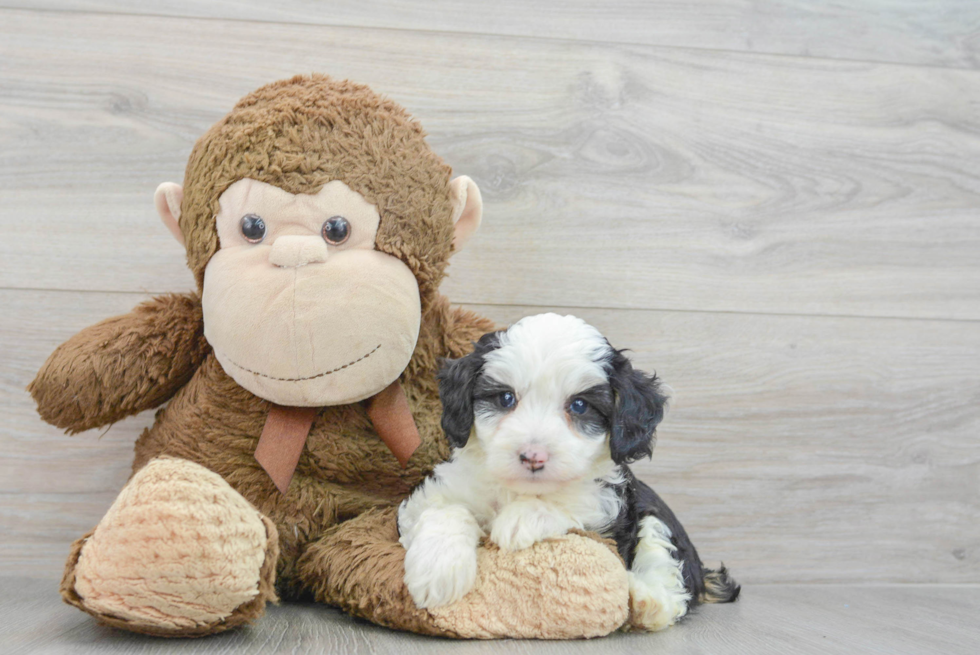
(658,596)
(546,359)
(485,489)
(442,522)
(440,562)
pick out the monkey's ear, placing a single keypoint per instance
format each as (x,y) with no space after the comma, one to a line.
(467,209)
(167,198)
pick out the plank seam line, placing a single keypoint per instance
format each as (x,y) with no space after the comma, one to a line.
(554,39)
(463,302)
(721,311)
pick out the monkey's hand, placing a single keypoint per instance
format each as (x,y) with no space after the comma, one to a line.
(123,365)
(569,587)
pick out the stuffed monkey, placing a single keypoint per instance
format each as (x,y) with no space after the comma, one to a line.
(303,403)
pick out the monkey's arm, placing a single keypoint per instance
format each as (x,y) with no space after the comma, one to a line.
(123,365)
(570,587)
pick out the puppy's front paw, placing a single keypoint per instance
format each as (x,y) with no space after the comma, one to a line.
(523,523)
(440,563)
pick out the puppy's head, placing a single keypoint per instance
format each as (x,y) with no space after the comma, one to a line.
(548,399)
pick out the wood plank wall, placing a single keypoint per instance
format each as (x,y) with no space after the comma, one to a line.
(776,205)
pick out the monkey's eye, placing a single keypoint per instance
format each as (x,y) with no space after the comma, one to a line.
(507,400)
(578,406)
(336,230)
(253,228)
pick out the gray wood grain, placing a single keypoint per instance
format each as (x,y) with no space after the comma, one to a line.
(614,175)
(790,619)
(797,449)
(793,220)
(938,33)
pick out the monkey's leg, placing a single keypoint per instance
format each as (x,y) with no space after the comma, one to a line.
(180,553)
(569,587)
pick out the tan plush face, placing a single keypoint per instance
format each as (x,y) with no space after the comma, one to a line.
(298,305)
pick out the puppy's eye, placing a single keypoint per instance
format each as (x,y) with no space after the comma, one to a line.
(335,230)
(253,228)
(507,400)
(578,406)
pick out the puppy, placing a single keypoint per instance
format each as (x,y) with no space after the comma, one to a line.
(557,415)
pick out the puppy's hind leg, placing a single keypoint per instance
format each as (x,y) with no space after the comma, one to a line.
(658,596)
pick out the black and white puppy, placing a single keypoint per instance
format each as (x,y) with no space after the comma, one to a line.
(557,414)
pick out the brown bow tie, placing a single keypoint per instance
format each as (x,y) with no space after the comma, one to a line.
(286,429)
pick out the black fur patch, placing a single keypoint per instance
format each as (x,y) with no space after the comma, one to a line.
(639,501)
(487,394)
(457,382)
(594,422)
(639,408)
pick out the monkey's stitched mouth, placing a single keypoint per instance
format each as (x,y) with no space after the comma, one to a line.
(312,377)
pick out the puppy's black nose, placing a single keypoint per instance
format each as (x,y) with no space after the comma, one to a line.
(534,459)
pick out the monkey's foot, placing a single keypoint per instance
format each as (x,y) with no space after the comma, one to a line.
(179,553)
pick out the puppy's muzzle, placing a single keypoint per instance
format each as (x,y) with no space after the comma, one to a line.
(534,459)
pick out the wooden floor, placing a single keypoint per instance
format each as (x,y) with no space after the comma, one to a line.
(775,205)
(783,619)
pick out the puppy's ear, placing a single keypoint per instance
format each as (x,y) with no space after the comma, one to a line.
(457,379)
(638,410)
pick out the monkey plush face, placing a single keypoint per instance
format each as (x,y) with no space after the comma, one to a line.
(318,224)
(298,305)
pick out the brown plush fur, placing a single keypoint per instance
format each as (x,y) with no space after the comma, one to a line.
(91,380)
(301,133)
(367,548)
(336,525)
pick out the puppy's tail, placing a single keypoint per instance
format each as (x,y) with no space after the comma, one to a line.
(719,587)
